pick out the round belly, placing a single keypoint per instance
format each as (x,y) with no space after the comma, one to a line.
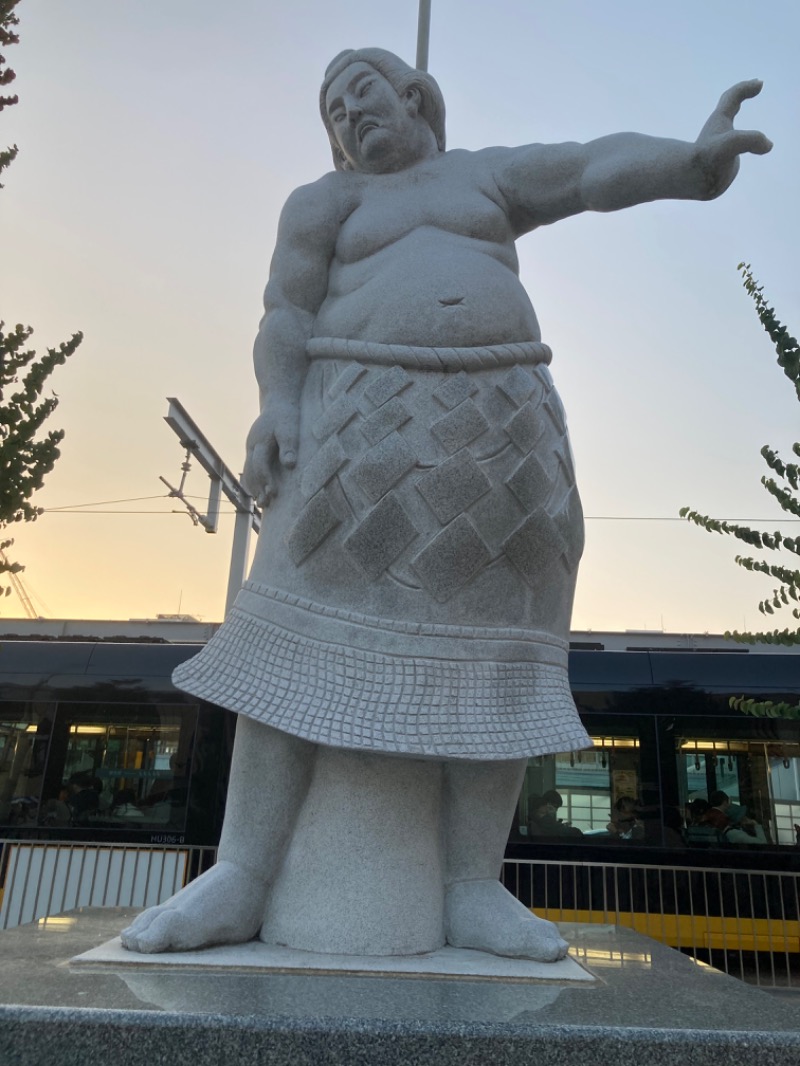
(461,298)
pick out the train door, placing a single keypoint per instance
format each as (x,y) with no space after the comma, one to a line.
(26,736)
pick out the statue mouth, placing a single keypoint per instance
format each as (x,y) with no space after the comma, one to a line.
(364,129)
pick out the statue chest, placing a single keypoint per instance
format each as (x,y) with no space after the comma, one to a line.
(395,207)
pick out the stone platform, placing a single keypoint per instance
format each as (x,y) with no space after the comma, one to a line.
(256,957)
(633,1002)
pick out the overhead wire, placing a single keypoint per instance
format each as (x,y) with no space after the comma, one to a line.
(83,508)
(101,503)
(80,508)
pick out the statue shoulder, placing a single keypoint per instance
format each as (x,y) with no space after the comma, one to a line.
(498,157)
(466,159)
(319,206)
(496,161)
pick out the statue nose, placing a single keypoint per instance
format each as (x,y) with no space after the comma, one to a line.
(354,110)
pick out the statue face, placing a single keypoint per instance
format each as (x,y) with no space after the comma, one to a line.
(373,126)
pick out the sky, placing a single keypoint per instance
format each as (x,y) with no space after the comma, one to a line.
(158,142)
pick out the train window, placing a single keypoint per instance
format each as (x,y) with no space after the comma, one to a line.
(739,791)
(127,765)
(96,766)
(583,794)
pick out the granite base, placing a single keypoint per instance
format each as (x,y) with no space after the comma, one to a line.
(647,1004)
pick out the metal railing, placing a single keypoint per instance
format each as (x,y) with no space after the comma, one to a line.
(43,878)
(744,922)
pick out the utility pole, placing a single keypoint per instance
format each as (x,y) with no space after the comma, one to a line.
(222,480)
(423,34)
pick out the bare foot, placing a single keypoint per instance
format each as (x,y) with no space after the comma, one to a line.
(224,906)
(484,916)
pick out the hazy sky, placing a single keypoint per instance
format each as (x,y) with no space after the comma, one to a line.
(158,142)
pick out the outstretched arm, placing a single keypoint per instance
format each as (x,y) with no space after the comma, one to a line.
(543,183)
(297,286)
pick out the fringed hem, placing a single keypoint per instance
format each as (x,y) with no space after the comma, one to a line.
(345,697)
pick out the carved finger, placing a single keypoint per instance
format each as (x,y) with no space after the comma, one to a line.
(262,462)
(754,142)
(721,118)
(738,142)
(252,478)
(289,456)
(732,99)
(286,434)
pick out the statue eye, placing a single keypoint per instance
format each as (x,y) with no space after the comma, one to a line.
(364,87)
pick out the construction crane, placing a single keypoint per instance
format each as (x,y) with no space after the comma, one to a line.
(18,587)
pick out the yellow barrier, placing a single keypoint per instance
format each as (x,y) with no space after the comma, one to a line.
(698,931)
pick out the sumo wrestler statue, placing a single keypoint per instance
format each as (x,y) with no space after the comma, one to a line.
(408,608)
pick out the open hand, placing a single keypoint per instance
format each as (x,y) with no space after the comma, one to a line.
(720,145)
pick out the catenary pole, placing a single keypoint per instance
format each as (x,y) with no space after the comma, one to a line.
(423,34)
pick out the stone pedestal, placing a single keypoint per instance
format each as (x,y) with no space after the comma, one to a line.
(363,874)
(647,1006)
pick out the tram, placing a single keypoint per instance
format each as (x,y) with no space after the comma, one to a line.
(97,746)
(632,832)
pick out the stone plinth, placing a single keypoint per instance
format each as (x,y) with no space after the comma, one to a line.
(648,1006)
(363,874)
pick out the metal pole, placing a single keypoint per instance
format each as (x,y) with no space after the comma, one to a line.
(241,542)
(222,480)
(423,34)
(211,522)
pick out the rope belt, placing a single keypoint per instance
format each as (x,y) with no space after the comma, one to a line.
(530,353)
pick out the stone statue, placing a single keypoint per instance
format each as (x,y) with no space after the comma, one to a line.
(413,582)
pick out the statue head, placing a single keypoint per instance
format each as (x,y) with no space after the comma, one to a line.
(401,77)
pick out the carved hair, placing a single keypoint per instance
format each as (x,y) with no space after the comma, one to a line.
(400,76)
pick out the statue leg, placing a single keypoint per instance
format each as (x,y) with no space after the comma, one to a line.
(270,774)
(479,802)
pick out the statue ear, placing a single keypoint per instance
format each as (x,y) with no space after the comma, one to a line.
(412,98)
